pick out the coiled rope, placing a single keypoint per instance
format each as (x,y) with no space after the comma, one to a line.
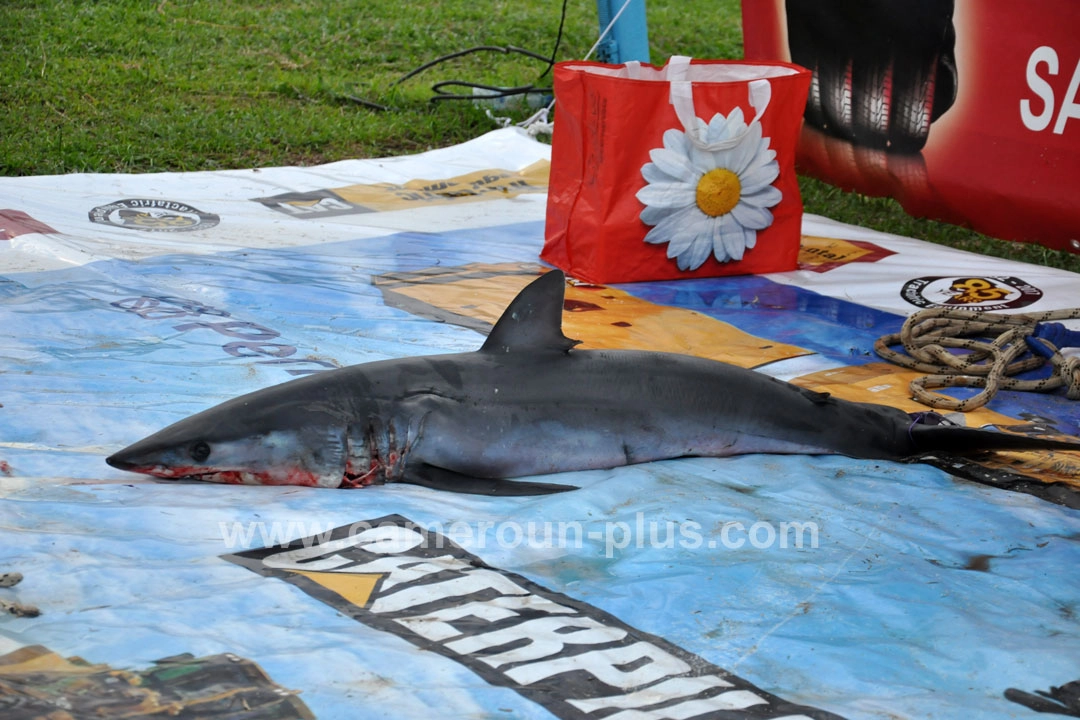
(996,344)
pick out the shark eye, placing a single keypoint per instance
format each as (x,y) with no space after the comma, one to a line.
(200,451)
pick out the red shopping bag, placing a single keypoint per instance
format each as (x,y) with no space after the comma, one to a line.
(675,172)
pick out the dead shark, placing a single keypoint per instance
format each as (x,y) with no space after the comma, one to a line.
(527,404)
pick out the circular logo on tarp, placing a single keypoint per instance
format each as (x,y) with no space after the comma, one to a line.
(153,216)
(970,293)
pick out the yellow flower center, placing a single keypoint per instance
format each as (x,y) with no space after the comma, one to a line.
(718,192)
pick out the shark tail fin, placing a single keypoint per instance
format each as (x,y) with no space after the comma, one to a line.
(926,436)
(533,320)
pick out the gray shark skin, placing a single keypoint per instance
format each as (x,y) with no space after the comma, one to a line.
(526,404)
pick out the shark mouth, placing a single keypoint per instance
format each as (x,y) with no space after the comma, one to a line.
(292,476)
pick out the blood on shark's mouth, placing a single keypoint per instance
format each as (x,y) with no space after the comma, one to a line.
(294,476)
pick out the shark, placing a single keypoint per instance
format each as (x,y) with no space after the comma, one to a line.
(527,404)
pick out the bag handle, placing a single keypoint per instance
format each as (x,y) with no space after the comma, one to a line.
(682,99)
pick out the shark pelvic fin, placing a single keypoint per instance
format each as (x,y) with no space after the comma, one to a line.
(533,321)
(438,478)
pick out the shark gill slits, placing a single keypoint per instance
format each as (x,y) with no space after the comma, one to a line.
(200,451)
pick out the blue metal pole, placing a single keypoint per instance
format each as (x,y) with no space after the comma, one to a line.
(629,38)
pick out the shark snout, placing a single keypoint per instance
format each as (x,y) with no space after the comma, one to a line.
(133,458)
(138,462)
(132,462)
(120,461)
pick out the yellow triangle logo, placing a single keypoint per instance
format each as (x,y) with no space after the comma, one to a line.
(354,587)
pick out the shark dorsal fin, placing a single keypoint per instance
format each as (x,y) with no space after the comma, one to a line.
(533,320)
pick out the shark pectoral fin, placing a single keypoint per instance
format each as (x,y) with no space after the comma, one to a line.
(437,478)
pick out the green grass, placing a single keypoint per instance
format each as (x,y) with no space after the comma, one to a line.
(138,86)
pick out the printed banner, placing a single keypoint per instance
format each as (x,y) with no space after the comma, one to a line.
(573,659)
(355,199)
(963,110)
(748,586)
(36,683)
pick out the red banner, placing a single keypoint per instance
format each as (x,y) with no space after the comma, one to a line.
(963,110)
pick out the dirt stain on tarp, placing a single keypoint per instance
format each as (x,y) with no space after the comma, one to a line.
(979,563)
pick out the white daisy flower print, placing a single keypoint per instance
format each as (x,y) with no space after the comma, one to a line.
(700,201)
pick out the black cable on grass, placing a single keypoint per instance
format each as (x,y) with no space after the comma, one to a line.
(490,91)
(365,103)
(558,41)
(504,49)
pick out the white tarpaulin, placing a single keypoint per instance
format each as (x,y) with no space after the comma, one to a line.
(763,586)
